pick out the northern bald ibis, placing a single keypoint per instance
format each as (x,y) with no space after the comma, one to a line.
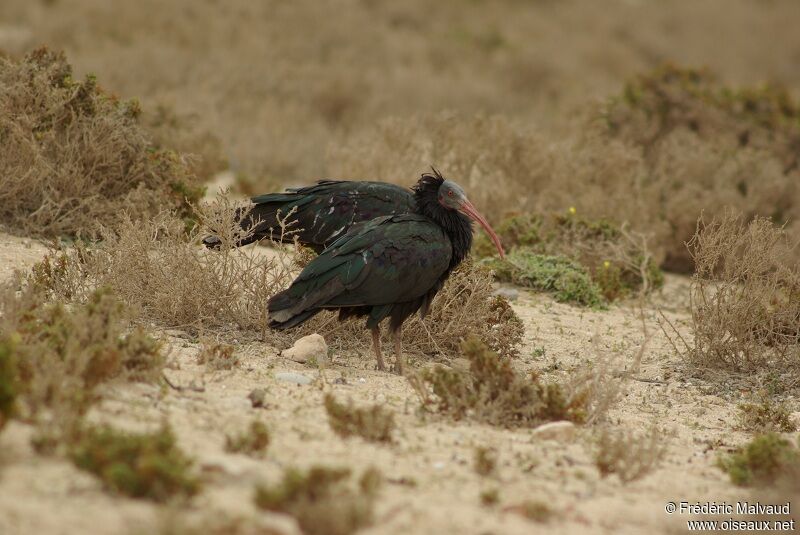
(322,213)
(389,267)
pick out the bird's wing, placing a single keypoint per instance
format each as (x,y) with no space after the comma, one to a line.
(388,260)
(327,210)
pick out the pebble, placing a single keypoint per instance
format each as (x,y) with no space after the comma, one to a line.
(307,348)
(291,377)
(562,431)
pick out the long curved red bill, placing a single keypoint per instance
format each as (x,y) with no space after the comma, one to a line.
(467,209)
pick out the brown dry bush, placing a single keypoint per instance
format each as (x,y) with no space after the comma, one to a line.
(627,454)
(217,356)
(745,296)
(321,499)
(254,441)
(73,156)
(63,353)
(374,423)
(170,278)
(491,391)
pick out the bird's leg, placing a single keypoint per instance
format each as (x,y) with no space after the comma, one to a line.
(376,347)
(399,360)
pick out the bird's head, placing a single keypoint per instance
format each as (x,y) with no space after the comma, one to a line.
(452,197)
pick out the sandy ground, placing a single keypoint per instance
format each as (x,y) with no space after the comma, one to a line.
(41,495)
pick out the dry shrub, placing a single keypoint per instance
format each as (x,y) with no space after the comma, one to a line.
(485,461)
(62,353)
(464,306)
(139,465)
(764,415)
(535,510)
(629,455)
(745,296)
(374,423)
(494,393)
(73,156)
(254,441)
(217,356)
(321,499)
(170,278)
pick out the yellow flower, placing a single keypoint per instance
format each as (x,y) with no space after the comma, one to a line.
(606,264)
(572,210)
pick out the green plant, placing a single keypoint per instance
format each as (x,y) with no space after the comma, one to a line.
(485,461)
(762,461)
(764,415)
(146,465)
(63,353)
(493,392)
(374,423)
(321,500)
(253,442)
(564,278)
(490,497)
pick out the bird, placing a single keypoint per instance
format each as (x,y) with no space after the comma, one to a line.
(318,214)
(389,267)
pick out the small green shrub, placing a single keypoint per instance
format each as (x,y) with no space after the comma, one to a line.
(321,500)
(374,423)
(63,353)
(764,415)
(493,392)
(490,497)
(565,279)
(617,260)
(485,461)
(146,465)
(535,510)
(762,461)
(253,442)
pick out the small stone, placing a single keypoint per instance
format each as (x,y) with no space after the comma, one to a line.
(512,294)
(307,348)
(340,381)
(562,431)
(291,377)
(256,397)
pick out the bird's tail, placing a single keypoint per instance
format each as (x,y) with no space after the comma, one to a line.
(262,221)
(293,306)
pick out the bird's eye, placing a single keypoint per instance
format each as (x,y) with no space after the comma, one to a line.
(450,193)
